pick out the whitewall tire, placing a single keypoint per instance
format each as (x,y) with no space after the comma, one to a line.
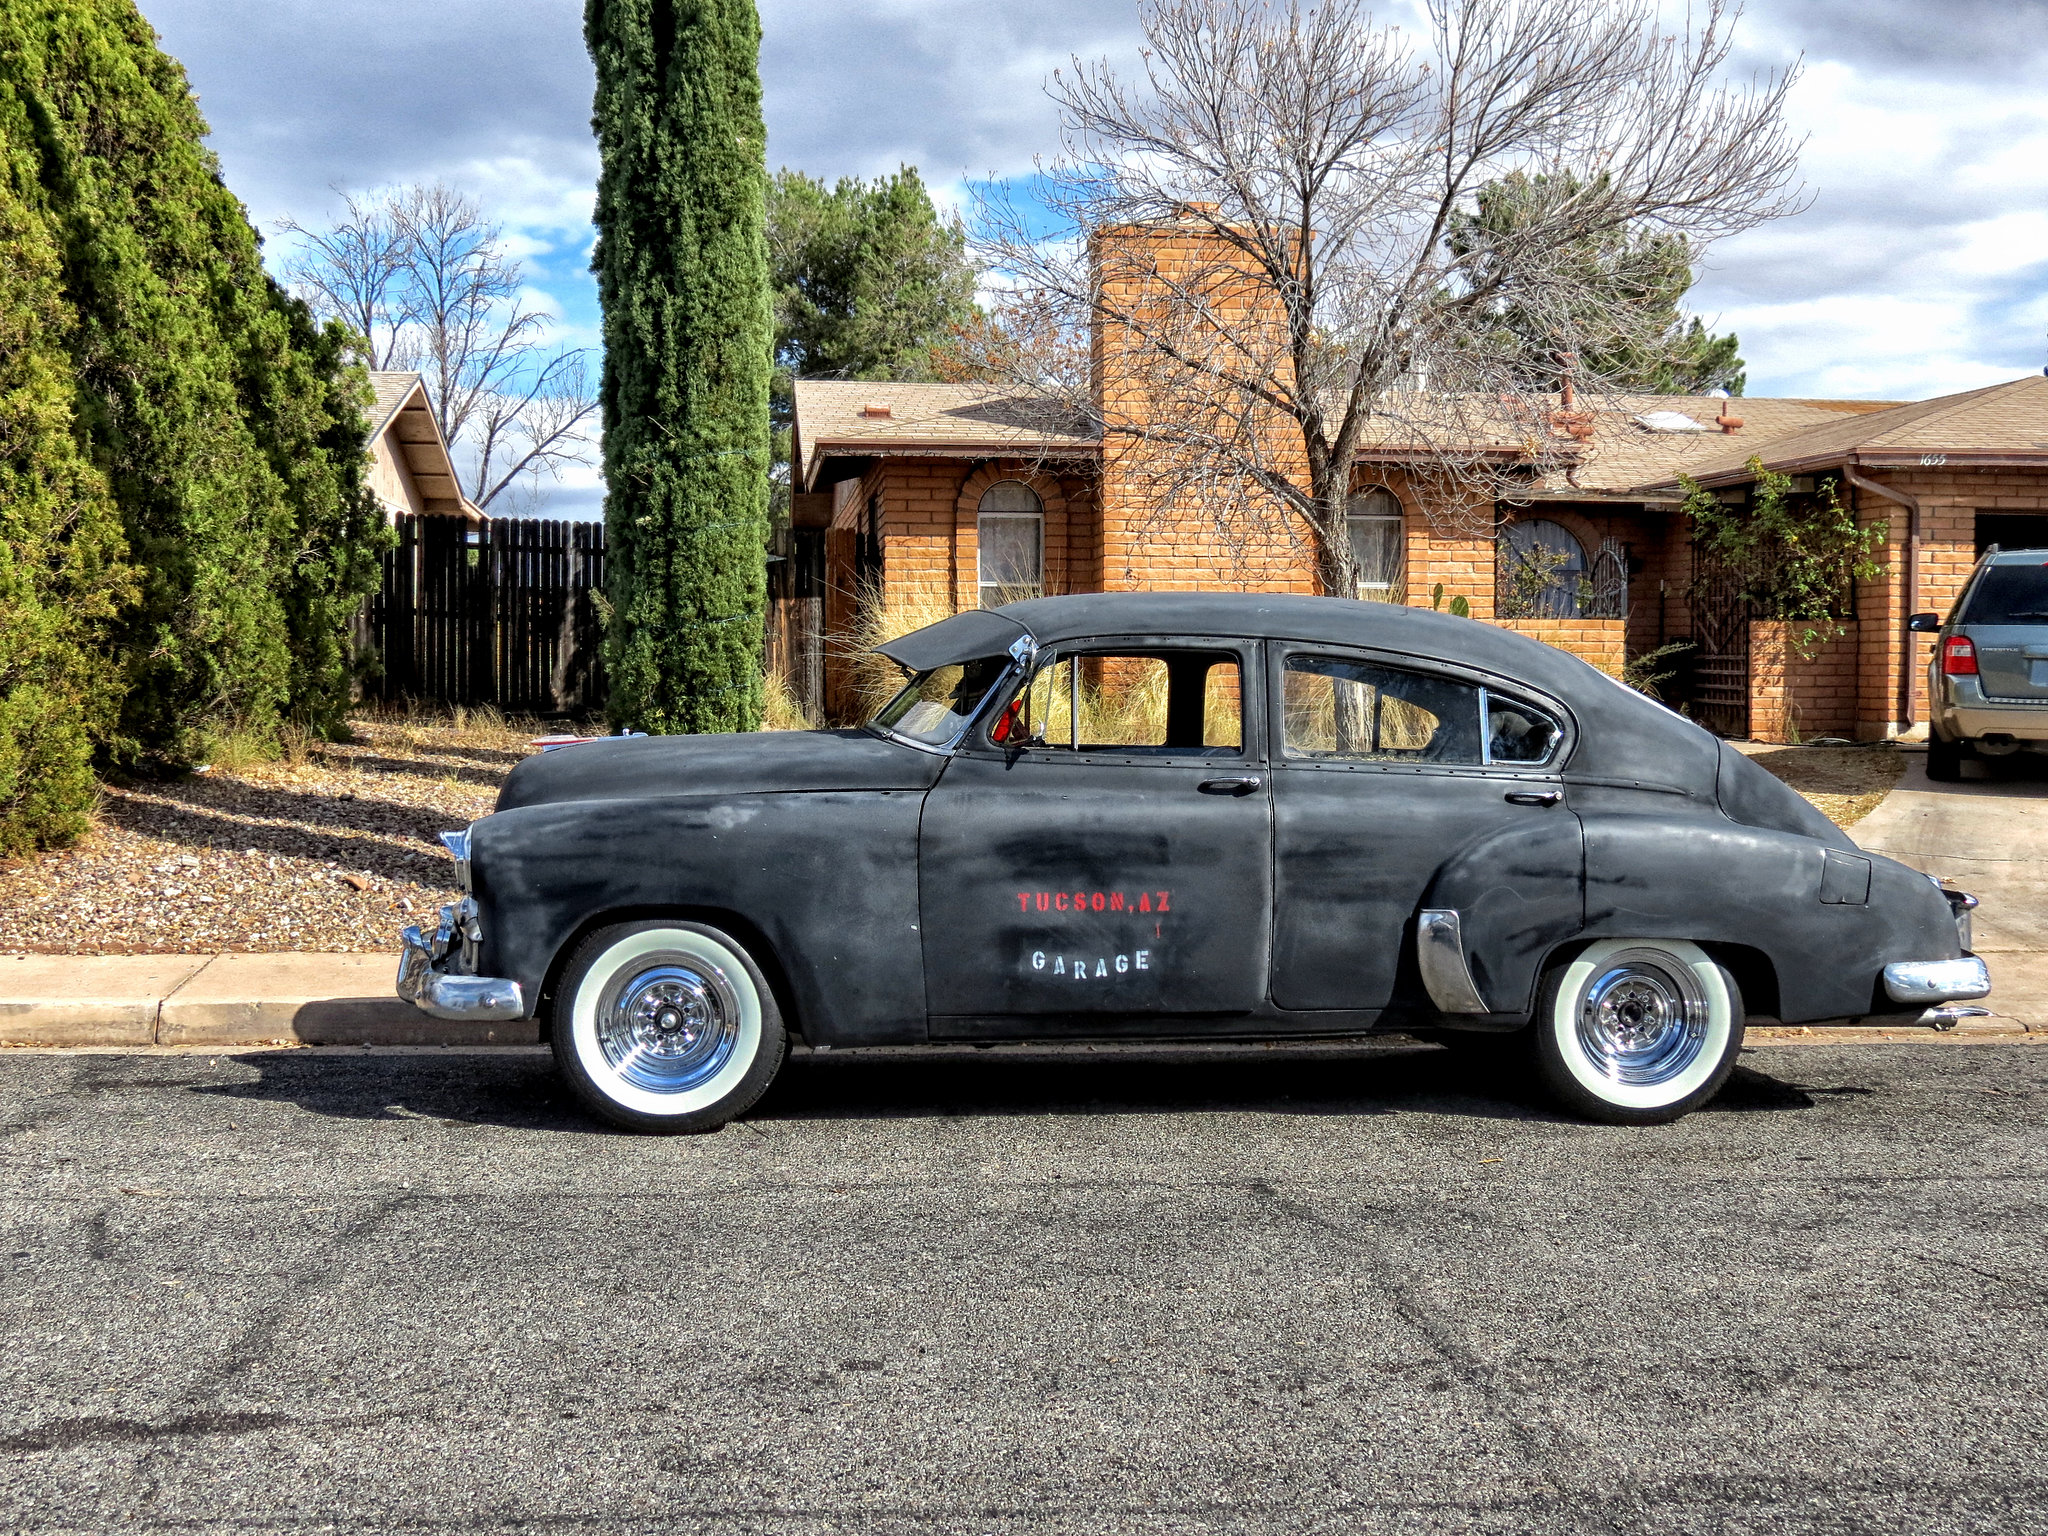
(666,1026)
(1638,1031)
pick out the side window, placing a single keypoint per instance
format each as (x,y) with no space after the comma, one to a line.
(1172,703)
(1353,710)
(1518,732)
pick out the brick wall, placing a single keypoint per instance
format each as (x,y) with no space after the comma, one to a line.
(1601,642)
(1950,500)
(1793,698)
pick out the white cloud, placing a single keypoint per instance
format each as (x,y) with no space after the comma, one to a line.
(1918,268)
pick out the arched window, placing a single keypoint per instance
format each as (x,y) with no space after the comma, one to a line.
(1011,533)
(1379,547)
(1542,571)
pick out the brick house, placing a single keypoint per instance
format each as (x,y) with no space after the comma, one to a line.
(931,498)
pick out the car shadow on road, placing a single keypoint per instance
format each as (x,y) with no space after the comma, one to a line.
(519,1090)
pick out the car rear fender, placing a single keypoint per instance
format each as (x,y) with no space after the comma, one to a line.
(1519,893)
(1827,920)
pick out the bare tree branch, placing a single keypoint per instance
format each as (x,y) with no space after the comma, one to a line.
(426,279)
(1266,241)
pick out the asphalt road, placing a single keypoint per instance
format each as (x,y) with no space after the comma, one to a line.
(1345,1292)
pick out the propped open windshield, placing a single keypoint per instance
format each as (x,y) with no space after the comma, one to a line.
(936,706)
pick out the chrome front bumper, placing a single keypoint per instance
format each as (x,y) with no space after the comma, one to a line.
(435,972)
(1937,981)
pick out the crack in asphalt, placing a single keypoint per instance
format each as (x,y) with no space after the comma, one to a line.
(1554,1449)
(110,1429)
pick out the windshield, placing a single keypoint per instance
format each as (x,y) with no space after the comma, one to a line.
(935,706)
(2010,594)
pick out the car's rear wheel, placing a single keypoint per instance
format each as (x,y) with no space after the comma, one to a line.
(666,1026)
(1944,759)
(1638,1031)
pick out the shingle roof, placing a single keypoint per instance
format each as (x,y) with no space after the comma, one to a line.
(391,390)
(2002,421)
(964,417)
(1622,455)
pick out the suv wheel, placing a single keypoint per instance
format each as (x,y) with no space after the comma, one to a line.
(1944,759)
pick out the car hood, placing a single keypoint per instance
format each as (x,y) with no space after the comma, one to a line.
(759,762)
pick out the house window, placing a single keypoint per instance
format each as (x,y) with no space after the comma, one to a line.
(1541,572)
(1379,548)
(1011,535)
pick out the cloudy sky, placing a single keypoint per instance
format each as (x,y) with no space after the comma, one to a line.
(1920,267)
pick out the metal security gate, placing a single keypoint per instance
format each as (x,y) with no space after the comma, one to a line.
(1720,631)
(501,613)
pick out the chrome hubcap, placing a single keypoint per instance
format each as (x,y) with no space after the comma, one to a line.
(1643,1020)
(669,1024)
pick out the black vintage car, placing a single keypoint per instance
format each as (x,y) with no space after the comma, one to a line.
(1192,817)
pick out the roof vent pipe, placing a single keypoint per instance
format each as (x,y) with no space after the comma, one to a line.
(1726,422)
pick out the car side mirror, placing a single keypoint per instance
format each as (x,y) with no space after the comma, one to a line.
(1924,623)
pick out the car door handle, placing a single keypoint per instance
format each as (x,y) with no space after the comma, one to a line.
(1534,797)
(1242,785)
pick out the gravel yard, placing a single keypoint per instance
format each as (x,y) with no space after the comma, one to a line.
(333,853)
(1845,782)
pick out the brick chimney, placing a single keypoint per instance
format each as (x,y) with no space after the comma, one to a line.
(1133,262)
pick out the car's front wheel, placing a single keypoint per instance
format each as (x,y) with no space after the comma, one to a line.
(1638,1031)
(666,1026)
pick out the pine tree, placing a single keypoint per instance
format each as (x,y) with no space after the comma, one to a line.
(682,274)
(869,282)
(61,573)
(228,429)
(1624,319)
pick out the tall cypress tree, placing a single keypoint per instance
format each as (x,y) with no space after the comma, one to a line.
(682,271)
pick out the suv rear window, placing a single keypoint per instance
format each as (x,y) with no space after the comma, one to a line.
(2010,594)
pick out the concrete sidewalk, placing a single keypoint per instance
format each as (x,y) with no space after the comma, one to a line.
(223,999)
(304,999)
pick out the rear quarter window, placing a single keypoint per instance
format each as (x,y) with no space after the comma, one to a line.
(2009,594)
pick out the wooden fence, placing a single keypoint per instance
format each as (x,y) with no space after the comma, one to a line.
(501,613)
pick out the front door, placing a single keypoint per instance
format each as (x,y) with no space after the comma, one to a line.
(1103,847)
(1382,774)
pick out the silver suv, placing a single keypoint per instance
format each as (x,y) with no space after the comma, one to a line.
(1987,684)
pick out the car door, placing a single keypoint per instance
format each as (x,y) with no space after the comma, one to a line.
(1384,772)
(1104,845)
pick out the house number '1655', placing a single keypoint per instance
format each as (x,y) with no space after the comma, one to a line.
(1931,460)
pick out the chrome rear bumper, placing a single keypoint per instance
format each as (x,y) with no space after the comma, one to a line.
(425,980)
(1937,981)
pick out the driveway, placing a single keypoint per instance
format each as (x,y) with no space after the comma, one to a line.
(1990,834)
(1323,1291)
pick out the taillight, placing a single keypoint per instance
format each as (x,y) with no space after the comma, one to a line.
(1007,722)
(1958,657)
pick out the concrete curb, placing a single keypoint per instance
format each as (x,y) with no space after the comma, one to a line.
(221,999)
(195,1001)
